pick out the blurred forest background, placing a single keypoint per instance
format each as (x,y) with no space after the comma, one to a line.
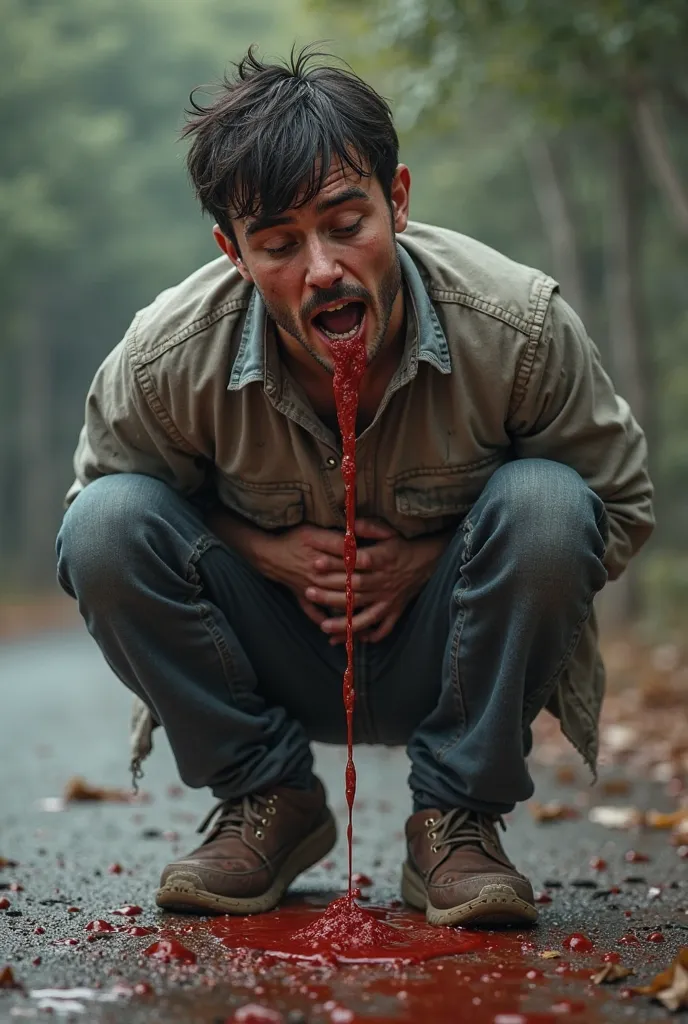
(554,132)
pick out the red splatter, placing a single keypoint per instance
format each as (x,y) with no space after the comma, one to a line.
(4,903)
(130,910)
(142,988)
(628,940)
(362,880)
(138,929)
(73,910)
(655,937)
(254,1013)
(39,930)
(597,863)
(543,897)
(611,958)
(115,869)
(36,961)
(167,950)
(99,926)
(636,857)
(16,887)
(578,943)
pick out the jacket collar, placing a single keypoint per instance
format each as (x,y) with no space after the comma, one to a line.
(425,332)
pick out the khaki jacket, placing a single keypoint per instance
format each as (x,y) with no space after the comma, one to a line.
(496,366)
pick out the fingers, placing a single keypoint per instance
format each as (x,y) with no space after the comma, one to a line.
(330,542)
(364,619)
(331,563)
(383,630)
(373,529)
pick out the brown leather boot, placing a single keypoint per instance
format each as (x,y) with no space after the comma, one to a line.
(457,871)
(255,849)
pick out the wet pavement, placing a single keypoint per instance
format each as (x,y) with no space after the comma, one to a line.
(64,714)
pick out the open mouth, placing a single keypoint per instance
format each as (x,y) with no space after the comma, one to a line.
(342,322)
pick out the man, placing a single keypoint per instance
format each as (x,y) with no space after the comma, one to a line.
(500,482)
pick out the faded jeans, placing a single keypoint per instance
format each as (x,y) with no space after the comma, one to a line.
(241,680)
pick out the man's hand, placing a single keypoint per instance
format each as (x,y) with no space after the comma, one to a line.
(389,573)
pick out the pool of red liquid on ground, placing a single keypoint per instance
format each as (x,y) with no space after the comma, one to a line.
(346,933)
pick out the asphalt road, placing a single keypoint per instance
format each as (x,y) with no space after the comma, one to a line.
(64,714)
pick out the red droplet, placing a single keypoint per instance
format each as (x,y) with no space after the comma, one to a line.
(628,913)
(615,890)
(4,903)
(115,869)
(39,930)
(66,942)
(175,792)
(130,910)
(169,949)
(636,857)
(99,926)
(543,897)
(142,988)
(611,958)
(655,937)
(628,940)
(578,943)
(597,863)
(36,961)
(363,880)
(73,910)
(137,929)
(254,1013)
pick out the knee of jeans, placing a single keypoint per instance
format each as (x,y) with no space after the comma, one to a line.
(104,530)
(550,514)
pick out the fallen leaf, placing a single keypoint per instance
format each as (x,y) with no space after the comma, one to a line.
(658,819)
(553,811)
(615,787)
(7,979)
(611,973)
(670,987)
(615,817)
(78,789)
(550,954)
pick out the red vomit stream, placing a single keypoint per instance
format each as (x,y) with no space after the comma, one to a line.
(349,367)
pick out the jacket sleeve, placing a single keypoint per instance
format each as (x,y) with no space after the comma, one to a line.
(569,412)
(128,430)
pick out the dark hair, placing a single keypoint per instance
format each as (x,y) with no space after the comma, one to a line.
(270,135)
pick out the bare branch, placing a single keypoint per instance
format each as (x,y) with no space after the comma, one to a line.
(652,134)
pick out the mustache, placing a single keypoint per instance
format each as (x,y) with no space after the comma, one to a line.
(337,293)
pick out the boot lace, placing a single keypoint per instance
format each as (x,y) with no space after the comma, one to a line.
(461,827)
(228,817)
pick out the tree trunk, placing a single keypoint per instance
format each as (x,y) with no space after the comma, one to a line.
(552,199)
(653,138)
(624,217)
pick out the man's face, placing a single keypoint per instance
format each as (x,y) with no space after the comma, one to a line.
(328,270)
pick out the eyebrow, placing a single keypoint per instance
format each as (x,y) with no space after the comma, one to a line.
(345,196)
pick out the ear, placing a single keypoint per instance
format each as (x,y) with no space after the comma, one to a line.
(401,189)
(230,250)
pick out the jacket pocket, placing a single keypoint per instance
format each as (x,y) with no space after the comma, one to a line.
(449,490)
(271,505)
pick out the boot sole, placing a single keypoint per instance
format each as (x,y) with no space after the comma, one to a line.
(499,905)
(183,890)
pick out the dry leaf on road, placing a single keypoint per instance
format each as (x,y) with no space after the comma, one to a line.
(611,973)
(671,986)
(553,811)
(615,817)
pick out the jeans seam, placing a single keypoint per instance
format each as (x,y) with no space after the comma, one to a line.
(459,706)
(561,664)
(204,543)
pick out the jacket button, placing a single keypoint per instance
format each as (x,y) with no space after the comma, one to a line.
(332,462)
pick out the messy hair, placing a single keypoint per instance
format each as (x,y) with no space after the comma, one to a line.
(266,142)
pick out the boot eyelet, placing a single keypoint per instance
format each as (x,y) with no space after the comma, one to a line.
(273,798)
(259,834)
(435,849)
(429,821)
(432,835)
(270,810)
(263,821)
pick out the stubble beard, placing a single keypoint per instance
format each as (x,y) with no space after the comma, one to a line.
(385,298)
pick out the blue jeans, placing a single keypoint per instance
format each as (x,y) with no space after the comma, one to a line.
(241,680)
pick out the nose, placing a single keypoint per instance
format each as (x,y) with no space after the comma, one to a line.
(322,269)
